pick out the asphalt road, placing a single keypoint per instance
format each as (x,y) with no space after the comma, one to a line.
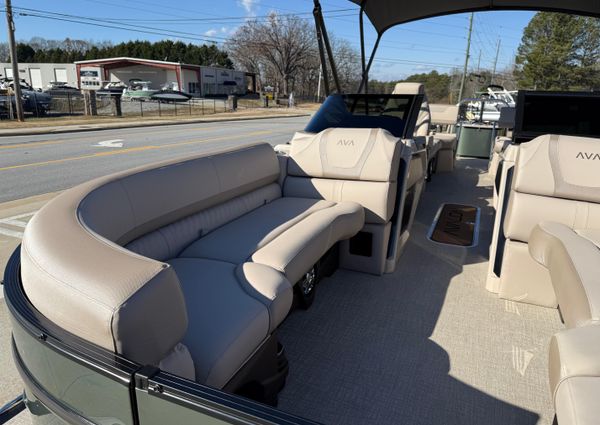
(32,165)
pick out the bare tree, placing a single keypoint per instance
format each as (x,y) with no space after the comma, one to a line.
(281,46)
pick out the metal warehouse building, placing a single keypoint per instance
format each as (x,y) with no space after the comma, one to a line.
(39,75)
(194,79)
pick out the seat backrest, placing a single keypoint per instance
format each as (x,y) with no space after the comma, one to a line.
(139,201)
(556,178)
(73,257)
(348,164)
(574,265)
(424,118)
(442,114)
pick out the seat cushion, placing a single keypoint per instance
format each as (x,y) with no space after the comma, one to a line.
(296,250)
(574,372)
(225,324)
(573,262)
(236,241)
(448,140)
(377,198)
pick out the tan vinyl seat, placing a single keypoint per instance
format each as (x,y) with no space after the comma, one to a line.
(500,145)
(573,262)
(362,166)
(574,369)
(240,238)
(422,134)
(289,234)
(228,325)
(445,116)
(555,178)
(103,260)
(574,265)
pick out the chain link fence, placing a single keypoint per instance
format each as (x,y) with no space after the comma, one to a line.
(73,104)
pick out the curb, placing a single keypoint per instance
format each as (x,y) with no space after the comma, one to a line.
(74,128)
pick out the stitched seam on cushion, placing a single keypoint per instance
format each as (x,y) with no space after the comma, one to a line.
(210,159)
(89,297)
(164,237)
(56,279)
(570,392)
(112,245)
(130,296)
(133,216)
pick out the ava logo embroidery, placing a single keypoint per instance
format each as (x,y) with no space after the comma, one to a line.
(345,142)
(589,156)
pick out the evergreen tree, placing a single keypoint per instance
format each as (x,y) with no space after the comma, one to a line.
(559,52)
(69,50)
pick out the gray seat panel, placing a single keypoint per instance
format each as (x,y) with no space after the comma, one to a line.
(236,241)
(225,324)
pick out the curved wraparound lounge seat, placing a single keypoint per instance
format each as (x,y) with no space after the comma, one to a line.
(572,259)
(189,265)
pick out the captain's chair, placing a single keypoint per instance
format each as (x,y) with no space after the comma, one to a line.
(423,124)
(555,178)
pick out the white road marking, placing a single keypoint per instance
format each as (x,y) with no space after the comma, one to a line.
(11,233)
(15,222)
(15,217)
(114,143)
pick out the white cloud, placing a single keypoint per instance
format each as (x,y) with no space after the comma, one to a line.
(211,33)
(248,5)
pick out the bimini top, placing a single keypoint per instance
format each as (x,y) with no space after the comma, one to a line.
(387,13)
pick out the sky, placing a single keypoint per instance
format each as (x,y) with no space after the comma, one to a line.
(436,43)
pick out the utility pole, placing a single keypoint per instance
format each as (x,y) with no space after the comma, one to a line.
(479,61)
(495,61)
(13,58)
(464,76)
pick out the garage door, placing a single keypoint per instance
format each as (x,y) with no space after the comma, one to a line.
(36,78)
(60,74)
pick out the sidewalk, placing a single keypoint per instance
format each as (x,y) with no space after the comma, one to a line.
(37,127)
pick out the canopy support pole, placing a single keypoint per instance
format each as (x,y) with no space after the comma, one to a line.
(322,54)
(363,59)
(366,73)
(323,41)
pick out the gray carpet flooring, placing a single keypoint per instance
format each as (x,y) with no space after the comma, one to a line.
(426,344)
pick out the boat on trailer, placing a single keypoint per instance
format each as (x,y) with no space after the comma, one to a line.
(327,280)
(170,93)
(139,90)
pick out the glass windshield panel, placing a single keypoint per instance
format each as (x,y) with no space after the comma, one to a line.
(387,111)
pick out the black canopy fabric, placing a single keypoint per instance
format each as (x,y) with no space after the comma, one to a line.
(385,14)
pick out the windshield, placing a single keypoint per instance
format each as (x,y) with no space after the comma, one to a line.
(387,111)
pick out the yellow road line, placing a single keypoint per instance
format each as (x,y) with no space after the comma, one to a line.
(24,145)
(93,138)
(136,149)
